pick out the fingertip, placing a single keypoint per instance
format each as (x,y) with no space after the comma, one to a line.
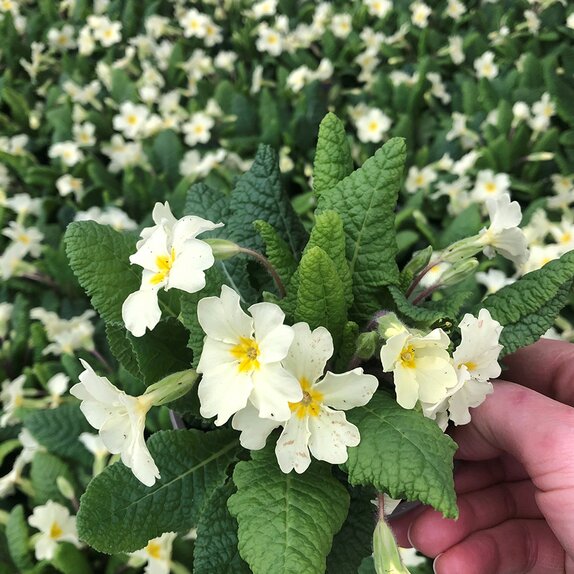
(435,564)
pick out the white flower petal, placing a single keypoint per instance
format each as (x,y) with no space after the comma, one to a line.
(406,387)
(291,449)
(222,317)
(189,227)
(391,350)
(140,311)
(347,390)
(184,276)
(214,354)
(309,352)
(224,391)
(273,389)
(331,434)
(156,245)
(254,429)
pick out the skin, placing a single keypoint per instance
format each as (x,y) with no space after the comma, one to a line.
(515,482)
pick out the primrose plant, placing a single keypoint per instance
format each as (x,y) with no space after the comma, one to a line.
(307,369)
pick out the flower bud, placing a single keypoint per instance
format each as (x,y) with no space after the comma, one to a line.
(462,249)
(367,344)
(65,488)
(458,272)
(170,388)
(223,249)
(420,259)
(389,325)
(386,553)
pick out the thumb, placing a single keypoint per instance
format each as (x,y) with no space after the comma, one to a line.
(539,433)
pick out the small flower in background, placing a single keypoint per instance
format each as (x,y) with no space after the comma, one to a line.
(5,316)
(316,425)
(57,386)
(110,215)
(421,366)
(503,235)
(420,14)
(490,185)
(120,419)
(542,112)
(67,184)
(198,129)
(28,238)
(485,66)
(419,178)
(241,359)
(373,125)
(55,525)
(494,280)
(12,398)
(157,554)
(341,25)
(171,257)
(131,120)
(67,151)
(378,8)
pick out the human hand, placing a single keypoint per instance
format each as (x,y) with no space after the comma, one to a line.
(515,482)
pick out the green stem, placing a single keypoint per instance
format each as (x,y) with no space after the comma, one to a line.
(267,264)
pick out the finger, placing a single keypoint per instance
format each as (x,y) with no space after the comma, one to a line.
(471,475)
(400,525)
(432,534)
(546,366)
(539,433)
(513,547)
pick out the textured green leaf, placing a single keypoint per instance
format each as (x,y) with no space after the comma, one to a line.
(321,296)
(366,201)
(122,349)
(286,521)
(18,535)
(58,430)
(192,465)
(528,308)
(333,161)
(46,468)
(402,453)
(99,256)
(258,195)
(212,204)
(277,251)
(216,545)
(355,539)
(328,234)
(418,314)
(162,351)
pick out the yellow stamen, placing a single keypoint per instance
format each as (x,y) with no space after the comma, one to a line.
(55,531)
(164,263)
(470,365)
(408,357)
(154,550)
(310,405)
(247,352)
(490,187)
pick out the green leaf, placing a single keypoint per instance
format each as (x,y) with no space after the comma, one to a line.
(99,256)
(366,201)
(348,345)
(321,296)
(212,204)
(216,545)
(355,540)
(58,430)
(465,224)
(7,447)
(192,465)
(18,536)
(333,161)
(69,560)
(418,314)
(328,234)
(46,468)
(167,152)
(122,349)
(286,521)
(162,351)
(402,453)
(277,251)
(528,308)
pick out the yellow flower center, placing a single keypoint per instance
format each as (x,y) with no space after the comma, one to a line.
(408,357)
(490,187)
(164,263)
(154,550)
(132,120)
(419,180)
(247,352)
(310,404)
(55,531)
(373,126)
(470,365)
(24,238)
(566,237)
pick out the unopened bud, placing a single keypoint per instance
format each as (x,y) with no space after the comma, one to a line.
(367,345)
(390,325)
(420,259)
(458,272)
(65,488)
(462,249)
(540,156)
(170,388)
(386,552)
(223,249)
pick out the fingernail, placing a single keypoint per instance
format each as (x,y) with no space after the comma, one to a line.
(409,534)
(435,563)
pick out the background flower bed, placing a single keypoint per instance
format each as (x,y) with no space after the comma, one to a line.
(108,108)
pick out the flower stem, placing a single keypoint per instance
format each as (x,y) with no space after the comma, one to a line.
(267,264)
(102,360)
(424,294)
(418,278)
